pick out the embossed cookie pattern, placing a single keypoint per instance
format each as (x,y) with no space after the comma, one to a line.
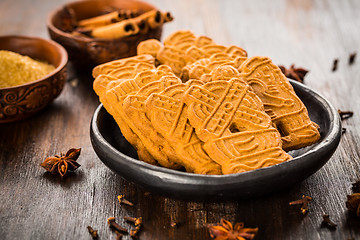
(106,68)
(183,47)
(168,115)
(230,119)
(287,111)
(146,81)
(204,66)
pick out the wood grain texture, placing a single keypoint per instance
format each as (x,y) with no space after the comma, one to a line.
(309,33)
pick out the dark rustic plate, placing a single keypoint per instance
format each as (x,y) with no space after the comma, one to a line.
(119,156)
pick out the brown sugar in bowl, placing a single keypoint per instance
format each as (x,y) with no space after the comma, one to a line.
(20,102)
(89,52)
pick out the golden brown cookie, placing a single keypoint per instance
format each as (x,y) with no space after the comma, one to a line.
(131,116)
(134,110)
(203,66)
(127,69)
(183,47)
(281,103)
(173,57)
(230,119)
(203,41)
(178,37)
(100,83)
(168,115)
(106,68)
(151,47)
(194,53)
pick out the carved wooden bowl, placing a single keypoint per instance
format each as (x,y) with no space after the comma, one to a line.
(25,100)
(89,52)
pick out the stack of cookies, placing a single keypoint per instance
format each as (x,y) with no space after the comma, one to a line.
(195,105)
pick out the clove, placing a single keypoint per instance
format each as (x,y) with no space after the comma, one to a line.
(122,199)
(134,232)
(93,233)
(345,114)
(136,221)
(352,57)
(335,63)
(304,201)
(113,225)
(326,222)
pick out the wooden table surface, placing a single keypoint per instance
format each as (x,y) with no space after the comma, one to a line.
(308,33)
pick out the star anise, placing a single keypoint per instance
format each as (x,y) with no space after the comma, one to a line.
(226,231)
(297,74)
(63,163)
(353,203)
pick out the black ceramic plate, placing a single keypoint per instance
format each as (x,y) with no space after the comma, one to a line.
(118,155)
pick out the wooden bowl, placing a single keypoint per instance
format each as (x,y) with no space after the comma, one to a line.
(89,52)
(25,100)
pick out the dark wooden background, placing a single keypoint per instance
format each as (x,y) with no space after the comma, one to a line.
(309,33)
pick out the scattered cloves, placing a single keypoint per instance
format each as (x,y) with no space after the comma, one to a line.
(352,57)
(304,201)
(122,199)
(343,130)
(93,233)
(326,222)
(113,225)
(335,63)
(136,221)
(345,114)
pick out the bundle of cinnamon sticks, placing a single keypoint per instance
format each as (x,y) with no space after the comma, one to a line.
(118,24)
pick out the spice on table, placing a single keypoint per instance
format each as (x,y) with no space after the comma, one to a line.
(304,201)
(335,63)
(134,232)
(345,114)
(136,221)
(63,163)
(122,199)
(113,225)
(356,186)
(297,74)
(353,203)
(175,224)
(93,233)
(343,130)
(16,69)
(352,57)
(226,231)
(326,222)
